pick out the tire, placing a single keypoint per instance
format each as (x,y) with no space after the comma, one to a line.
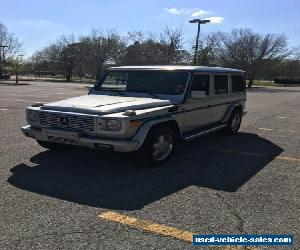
(52,145)
(234,123)
(159,146)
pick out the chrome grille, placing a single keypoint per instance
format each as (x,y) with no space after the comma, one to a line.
(66,121)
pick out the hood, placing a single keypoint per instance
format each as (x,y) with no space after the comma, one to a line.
(104,104)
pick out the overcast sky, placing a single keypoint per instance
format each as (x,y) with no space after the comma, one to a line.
(37,23)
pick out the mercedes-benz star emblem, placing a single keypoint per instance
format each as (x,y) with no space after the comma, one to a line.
(63,121)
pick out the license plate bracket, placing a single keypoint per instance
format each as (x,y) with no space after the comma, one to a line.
(62,136)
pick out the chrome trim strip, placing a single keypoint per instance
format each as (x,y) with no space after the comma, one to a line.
(205,132)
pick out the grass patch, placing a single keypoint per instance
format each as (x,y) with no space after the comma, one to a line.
(272,84)
(52,79)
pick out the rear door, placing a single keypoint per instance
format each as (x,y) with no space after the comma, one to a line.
(198,111)
(221,97)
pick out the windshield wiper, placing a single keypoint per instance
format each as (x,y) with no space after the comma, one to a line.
(120,92)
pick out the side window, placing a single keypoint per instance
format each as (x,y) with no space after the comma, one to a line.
(201,83)
(238,83)
(221,84)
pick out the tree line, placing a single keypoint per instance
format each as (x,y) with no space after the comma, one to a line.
(90,53)
(10,47)
(260,55)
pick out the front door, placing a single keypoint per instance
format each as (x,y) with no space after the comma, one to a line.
(198,111)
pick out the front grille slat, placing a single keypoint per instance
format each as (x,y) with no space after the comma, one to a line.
(74,122)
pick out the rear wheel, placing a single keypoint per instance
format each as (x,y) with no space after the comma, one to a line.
(234,122)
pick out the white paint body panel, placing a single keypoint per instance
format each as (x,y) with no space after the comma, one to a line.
(105,104)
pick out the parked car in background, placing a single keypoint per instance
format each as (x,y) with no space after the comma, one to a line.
(87,75)
(4,76)
(147,109)
(287,80)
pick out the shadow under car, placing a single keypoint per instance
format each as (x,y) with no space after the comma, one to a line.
(115,181)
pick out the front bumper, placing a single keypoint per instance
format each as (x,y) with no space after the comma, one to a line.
(127,145)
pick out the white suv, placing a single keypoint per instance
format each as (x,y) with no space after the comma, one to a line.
(143,108)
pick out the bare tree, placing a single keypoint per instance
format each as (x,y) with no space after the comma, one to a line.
(37,60)
(295,53)
(250,51)
(289,68)
(163,48)
(67,52)
(10,47)
(255,53)
(61,56)
(102,48)
(88,54)
(135,36)
(170,41)
(48,60)
(207,50)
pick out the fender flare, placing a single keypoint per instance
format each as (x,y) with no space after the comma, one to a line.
(230,110)
(142,133)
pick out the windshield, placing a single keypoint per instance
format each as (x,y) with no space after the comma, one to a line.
(145,81)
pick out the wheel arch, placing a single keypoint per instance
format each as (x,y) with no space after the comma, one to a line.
(231,109)
(170,123)
(150,125)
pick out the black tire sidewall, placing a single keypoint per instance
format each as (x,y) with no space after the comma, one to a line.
(229,128)
(152,138)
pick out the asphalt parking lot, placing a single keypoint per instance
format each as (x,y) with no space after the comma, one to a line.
(83,199)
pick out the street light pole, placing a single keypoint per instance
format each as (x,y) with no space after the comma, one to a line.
(197,44)
(17,73)
(199,22)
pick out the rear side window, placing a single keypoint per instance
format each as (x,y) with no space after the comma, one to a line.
(238,83)
(221,84)
(201,83)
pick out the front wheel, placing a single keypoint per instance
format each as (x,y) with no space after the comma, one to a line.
(159,145)
(234,123)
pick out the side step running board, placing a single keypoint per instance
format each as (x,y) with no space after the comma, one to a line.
(204,132)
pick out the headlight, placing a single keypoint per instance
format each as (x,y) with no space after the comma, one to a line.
(106,124)
(113,125)
(32,117)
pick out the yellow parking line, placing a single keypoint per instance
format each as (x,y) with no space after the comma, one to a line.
(160,229)
(286,158)
(148,226)
(266,129)
(290,131)
(280,130)
(283,136)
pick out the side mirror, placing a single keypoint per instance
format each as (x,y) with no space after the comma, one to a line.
(198,94)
